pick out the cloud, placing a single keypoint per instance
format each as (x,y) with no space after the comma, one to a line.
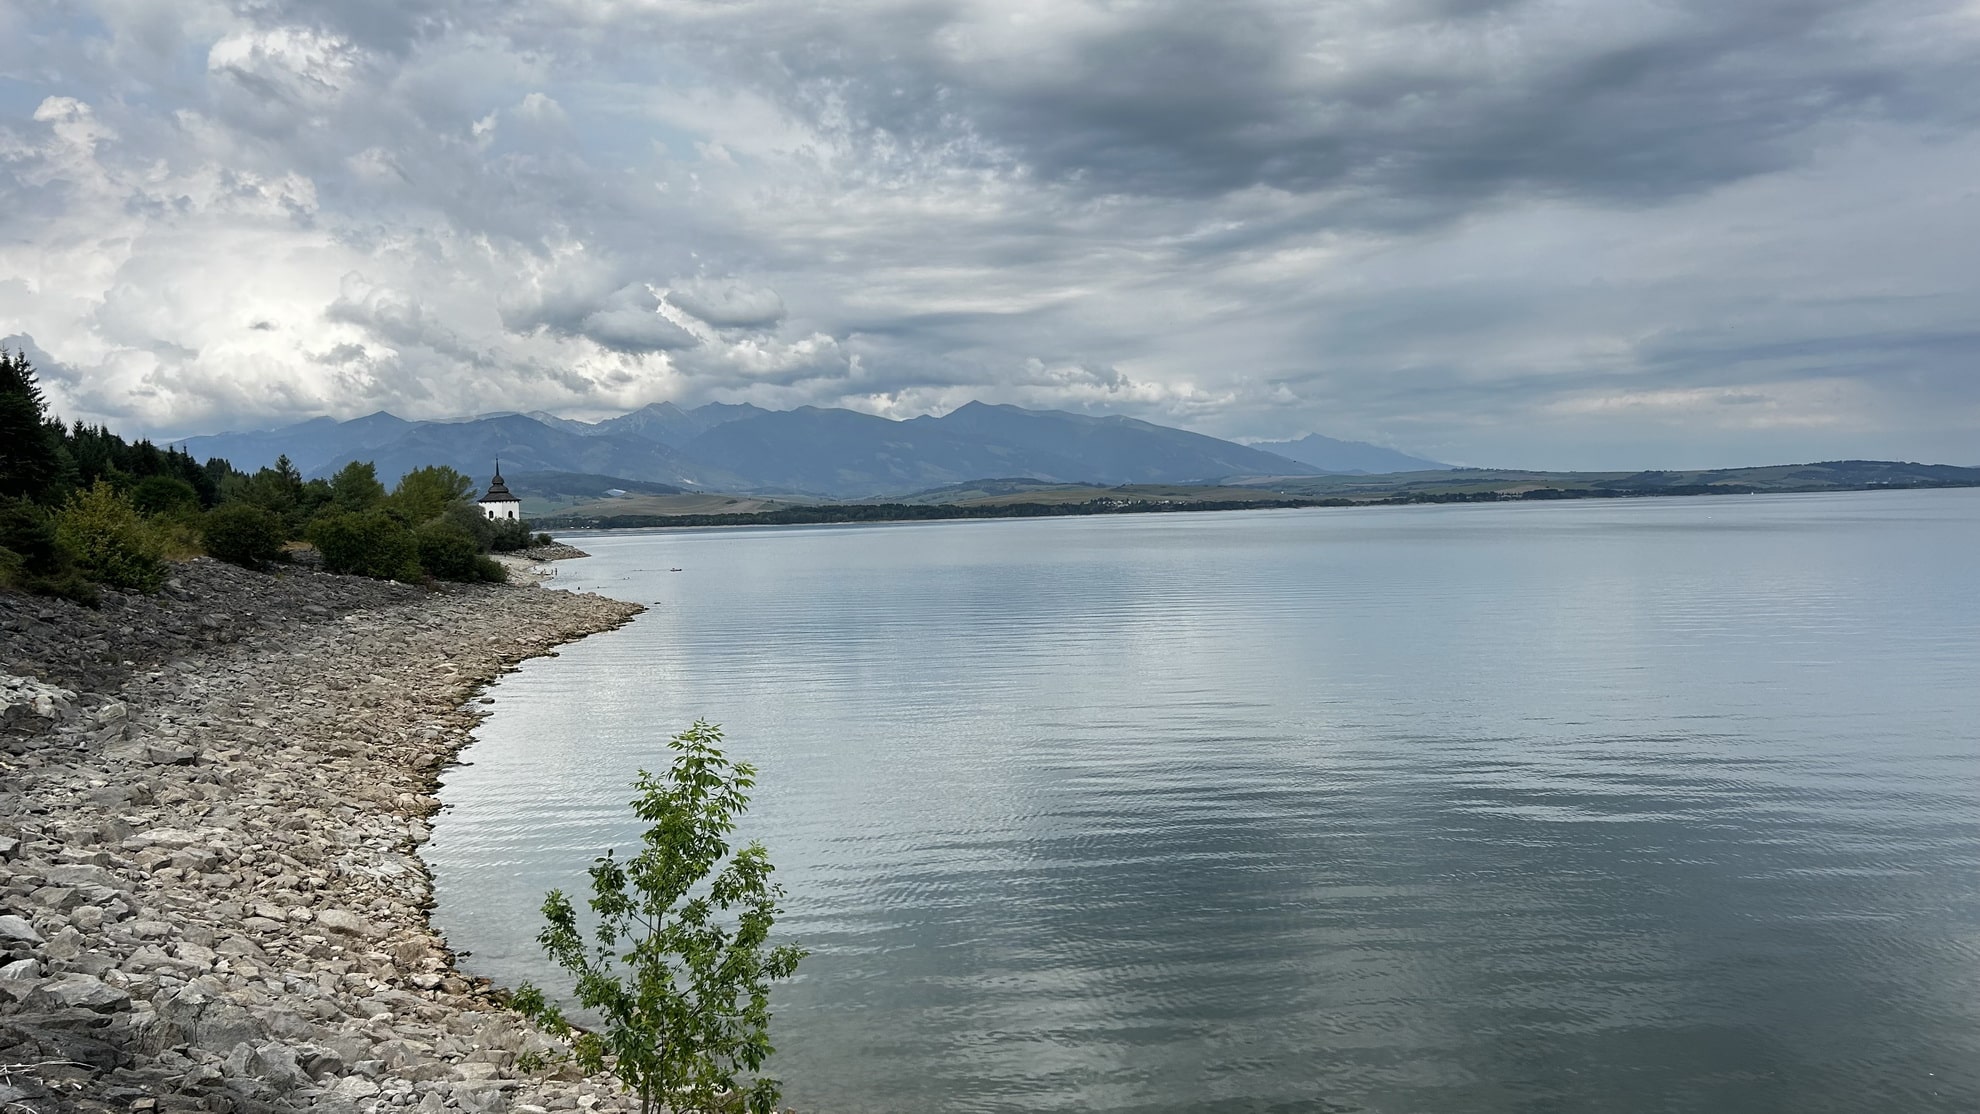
(1546,232)
(396,317)
(626,319)
(728,303)
(1393,106)
(630,321)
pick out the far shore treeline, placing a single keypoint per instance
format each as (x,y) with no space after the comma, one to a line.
(1127,503)
(83,509)
(829,513)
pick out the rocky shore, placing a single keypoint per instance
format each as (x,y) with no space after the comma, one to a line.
(210,805)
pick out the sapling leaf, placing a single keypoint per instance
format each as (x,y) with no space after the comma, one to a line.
(681,982)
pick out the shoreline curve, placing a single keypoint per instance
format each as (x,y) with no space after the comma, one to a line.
(211,806)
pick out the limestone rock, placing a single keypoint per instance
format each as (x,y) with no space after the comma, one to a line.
(18,929)
(82,874)
(208,801)
(79,992)
(200,1016)
(347,922)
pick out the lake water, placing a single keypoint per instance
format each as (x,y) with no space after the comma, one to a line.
(1639,805)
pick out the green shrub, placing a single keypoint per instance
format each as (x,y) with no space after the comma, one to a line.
(448,552)
(178,531)
(355,487)
(28,531)
(471,518)
(370,544)
(498,535)
(680,965)
(423,494)
(243,534)
(508,534)
(489,569)
(111,543)
(33,559)
(162,495)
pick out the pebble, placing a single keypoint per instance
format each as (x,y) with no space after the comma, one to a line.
(211,801)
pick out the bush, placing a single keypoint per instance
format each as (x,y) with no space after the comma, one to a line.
(355,487)
(33,559)
(178,534)
(500,536)
(448,552)
(423,494)
(243,534)
(111,543)
(28,531)
(508,534)
(469,517)
(681,969)
(489,569)
(371,544)
(162,495)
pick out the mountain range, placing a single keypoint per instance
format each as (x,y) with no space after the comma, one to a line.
(1348,457)
(808,451)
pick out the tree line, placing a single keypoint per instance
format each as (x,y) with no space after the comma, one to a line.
(81,509)
(826,513)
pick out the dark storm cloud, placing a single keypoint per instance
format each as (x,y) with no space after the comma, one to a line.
(1453,103)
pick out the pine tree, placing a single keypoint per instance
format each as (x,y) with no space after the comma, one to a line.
(29,461)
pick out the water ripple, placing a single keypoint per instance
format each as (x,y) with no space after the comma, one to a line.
(1638,806)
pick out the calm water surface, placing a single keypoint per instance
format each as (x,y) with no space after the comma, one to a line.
(1651,805)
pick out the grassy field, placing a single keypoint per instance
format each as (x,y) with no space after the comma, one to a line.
(699,502)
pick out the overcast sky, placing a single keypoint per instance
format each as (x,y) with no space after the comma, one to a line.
(1548,233)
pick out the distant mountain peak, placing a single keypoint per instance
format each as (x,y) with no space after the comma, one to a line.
(1332,455)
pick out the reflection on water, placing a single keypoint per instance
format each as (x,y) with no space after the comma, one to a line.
(1654,805)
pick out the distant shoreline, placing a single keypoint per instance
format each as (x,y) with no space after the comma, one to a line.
(840,514)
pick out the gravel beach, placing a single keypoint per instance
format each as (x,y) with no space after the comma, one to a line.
(211,802)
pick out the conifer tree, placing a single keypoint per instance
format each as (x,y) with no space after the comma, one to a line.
(29,459)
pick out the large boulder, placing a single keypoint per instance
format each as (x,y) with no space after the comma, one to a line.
(348,923)
(200,1014)
(18,930)
(78,991)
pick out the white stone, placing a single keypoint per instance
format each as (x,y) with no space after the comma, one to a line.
(355,1087)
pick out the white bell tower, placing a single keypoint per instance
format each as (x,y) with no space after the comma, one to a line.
(498,504)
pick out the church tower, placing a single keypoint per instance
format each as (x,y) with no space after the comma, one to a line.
(498,504)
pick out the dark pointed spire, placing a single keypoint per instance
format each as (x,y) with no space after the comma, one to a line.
(498,492)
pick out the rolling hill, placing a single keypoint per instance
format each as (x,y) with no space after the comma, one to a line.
(1356,457)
